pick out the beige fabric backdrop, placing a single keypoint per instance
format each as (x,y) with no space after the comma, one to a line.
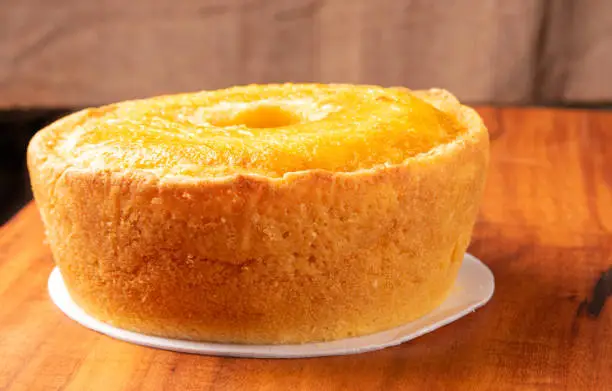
(74,52)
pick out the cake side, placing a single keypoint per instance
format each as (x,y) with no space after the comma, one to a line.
(313,256)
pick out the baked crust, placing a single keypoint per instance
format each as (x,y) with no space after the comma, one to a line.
(310,256)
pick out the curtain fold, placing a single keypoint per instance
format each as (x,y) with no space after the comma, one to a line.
(74,53)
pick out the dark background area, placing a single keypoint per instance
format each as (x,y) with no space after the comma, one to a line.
(16,129)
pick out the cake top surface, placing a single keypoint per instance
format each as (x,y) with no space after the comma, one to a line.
(258,129)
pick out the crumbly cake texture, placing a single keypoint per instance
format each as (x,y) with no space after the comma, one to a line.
(263,237)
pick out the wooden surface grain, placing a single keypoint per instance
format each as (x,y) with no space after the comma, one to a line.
(545,230)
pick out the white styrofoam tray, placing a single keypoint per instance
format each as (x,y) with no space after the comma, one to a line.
(473,288)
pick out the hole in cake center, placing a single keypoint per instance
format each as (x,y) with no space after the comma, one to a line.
(260,116)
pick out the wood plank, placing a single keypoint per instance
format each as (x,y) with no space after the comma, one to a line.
(545,229)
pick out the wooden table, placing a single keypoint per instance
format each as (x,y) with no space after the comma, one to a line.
(545,230)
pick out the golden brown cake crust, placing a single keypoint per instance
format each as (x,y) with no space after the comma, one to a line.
(314,255)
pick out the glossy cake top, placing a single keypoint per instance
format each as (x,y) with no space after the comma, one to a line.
(259,129)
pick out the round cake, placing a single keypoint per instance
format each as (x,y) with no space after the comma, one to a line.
(262,214)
